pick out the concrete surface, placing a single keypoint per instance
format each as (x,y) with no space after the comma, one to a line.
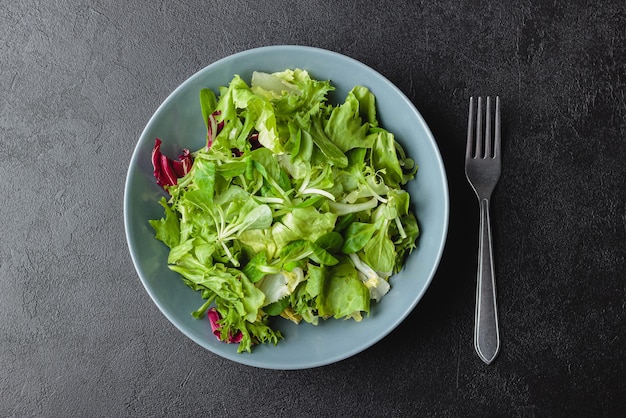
(79,336)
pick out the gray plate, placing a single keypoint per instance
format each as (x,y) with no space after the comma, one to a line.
(178,122)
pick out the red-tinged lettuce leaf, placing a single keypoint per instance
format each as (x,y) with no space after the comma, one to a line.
(166,170)
(214,318)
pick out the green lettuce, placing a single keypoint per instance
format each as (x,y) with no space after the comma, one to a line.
(295,207)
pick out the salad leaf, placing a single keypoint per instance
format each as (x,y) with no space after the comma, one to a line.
(379,252)
(367,104)
(290,91)
(345,126)
(168,228)
(294,208)
(307,222)
(200,193)
(330,150)
(358,235)
(343,294)
(277,286)
(166,170)
(208,103)
(385,159)
(377,285)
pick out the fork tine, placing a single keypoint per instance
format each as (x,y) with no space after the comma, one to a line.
(478,140)
(496,145)
(469,150)
(488,137)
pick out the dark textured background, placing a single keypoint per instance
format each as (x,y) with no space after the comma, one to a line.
(79,336)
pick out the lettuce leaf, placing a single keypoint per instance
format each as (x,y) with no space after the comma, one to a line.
(343,294)
(345,126)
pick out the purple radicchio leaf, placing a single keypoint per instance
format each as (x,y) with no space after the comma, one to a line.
(167,170)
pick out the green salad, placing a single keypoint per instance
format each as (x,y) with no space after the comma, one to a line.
(295,207)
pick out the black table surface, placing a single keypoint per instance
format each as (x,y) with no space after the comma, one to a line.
(79,336)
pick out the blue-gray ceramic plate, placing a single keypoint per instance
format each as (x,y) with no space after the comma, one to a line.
(178,122)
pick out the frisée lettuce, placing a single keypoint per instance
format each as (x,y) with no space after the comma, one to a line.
(295,207)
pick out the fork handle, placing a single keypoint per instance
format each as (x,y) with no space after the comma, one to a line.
(486,335)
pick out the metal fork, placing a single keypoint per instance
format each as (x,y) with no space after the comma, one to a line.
(482,169)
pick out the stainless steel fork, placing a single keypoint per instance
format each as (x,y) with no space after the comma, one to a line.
(482,169)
